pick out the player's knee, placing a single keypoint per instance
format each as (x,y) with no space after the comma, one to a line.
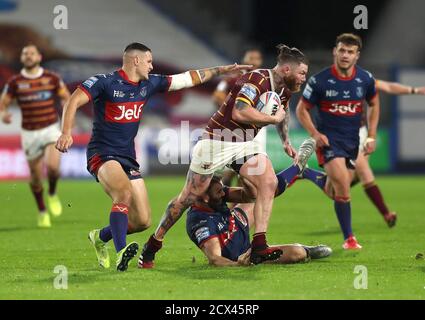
(52,171)
(268,184)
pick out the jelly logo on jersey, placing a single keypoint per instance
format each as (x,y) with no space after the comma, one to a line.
(344,109)
(123,112)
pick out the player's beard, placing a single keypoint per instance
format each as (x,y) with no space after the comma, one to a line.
(291,83)
(31,66)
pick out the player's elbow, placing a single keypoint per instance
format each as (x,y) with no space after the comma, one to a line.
(239,116)
(214,261)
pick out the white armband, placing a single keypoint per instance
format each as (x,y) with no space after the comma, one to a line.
(180,81)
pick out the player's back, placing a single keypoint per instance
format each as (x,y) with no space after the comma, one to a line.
(340,101)
(248,88)
(231,229)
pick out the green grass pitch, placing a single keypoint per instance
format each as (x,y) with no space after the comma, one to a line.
(303,214)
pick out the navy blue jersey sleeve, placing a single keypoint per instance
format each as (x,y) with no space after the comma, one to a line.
(94,86)
(160,83)
(311,93)
(370,87)
(201,229)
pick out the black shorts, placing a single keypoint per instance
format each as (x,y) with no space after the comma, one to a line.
(129,165)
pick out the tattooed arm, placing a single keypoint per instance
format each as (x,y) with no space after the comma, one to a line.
(245,113)
(283,131)
(193,78)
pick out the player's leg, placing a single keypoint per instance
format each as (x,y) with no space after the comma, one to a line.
(258,170)
(366,177)
(340,178)
(118,186)
(298,253)
(36,185)
(196,184)
(52,159)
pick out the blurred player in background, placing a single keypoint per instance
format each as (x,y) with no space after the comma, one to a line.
(229,140)
(36,91)
(253,57)
(363,172)
(339,92)
(118,99)
(223,234)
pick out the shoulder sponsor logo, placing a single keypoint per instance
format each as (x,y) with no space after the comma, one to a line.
(123,112)
(313,79)
(90,82)
(240,217)
(308,91)
(331,93)
(248,90)
(202,233)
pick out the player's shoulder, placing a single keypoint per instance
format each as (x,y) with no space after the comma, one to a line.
(51,73)
(100,78)
(14,78)
(363,73)
(320,78)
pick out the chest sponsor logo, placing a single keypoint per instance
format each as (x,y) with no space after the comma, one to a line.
(348,109)
(123,112)
(24,85)
(331,93)
(39,96)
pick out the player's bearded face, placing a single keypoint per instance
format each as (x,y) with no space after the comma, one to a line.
(296,77)
(346,56)
(215,193)
(30,57)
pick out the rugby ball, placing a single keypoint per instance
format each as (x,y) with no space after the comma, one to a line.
(269,103)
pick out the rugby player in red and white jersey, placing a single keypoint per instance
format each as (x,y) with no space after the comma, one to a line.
(228,140)
(36,91)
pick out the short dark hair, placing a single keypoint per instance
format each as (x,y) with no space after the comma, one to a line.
(349,39)
(137,46)
(290,55)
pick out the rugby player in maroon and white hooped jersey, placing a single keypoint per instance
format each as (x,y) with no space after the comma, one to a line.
(36,91)
(228,140)
(118,99)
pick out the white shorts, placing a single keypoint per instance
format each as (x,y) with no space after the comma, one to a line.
(209,156)
(363,137)
(34,141)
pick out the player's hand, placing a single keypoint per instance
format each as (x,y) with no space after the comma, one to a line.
(420,90)
(234,68)
(7,118)
(64,142)
(321,140)
(279,116)
(245,258)
(369,146)
(289,149)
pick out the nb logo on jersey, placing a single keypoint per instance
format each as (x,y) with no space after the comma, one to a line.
(123,112)
(345,109)
(331,93)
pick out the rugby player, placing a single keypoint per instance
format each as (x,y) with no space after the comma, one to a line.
(118,99)
(340,92)
(229,140)
(36,91)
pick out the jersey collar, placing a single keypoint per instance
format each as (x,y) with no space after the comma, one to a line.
(123,75)
(335,73)
(32,76)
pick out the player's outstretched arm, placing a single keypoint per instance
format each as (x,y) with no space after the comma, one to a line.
(304,117)
(398,88)
(78,99)
(5,101)
(193,78)
(245,113)
(212,250)
(373,119)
